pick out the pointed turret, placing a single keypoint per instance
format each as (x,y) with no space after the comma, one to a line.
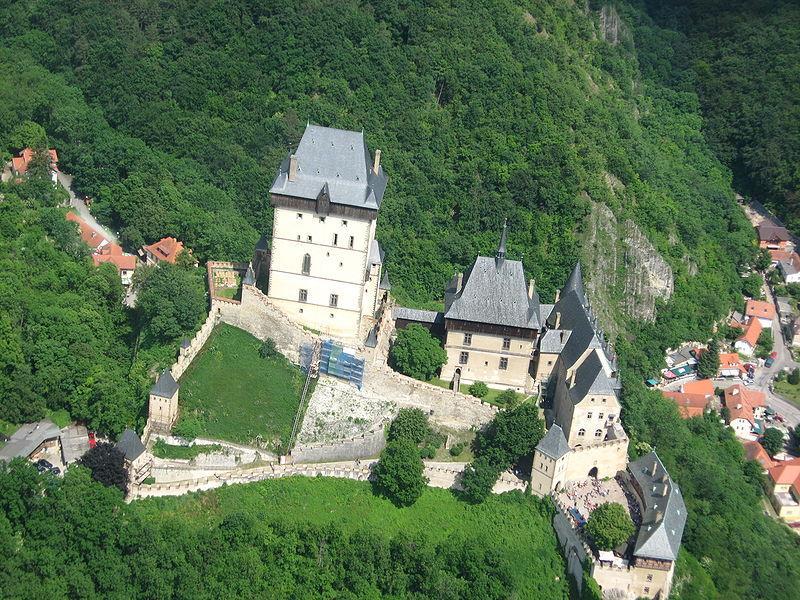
(575,283)
(501,249)
(250,276)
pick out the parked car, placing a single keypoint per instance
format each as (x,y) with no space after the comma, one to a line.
(92,440)
(769,362)
(46,464)
(55,471)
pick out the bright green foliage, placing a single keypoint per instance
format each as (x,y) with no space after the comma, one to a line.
(400,473)
(508,398)
(410,425)
(229,392)
(478,479)
(751,285)
(512,434)
(764,344)
(456,449)
(772,441)
(708,363)
(417,353)
(170,301)
(163,450)
(609,525)
(479,389)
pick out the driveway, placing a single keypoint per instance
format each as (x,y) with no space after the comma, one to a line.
(80,206)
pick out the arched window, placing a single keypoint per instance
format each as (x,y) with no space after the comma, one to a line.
(581,432)
(598,433)
(306,264)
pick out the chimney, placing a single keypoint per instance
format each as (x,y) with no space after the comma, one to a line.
(459,282)
(558,295)
(572,378)
(558,319)
(292,167)
(562,336)
(377,163)
(659,517)
(531,287)
(655,467)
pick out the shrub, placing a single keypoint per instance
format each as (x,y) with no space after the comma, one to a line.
(411,425)
(457,449)
(508,398)
(107,465)
(772,441)
(417,353)
(794,376)
(479,389)
(609,525)
(268,349)
(478,479)
(512,434)
(399,473)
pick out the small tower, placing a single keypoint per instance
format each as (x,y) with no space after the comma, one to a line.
(548,471)
(500,257)
(163,408)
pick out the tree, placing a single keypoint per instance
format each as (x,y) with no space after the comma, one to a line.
(268,349)
(609,525)
(512,434)
(764,344)
(399,473)
(417,353)
(794,376)
(107,465)
(410,425)
(170,301)
(478,479)
(479,389)
(751,285)
(708,363)
(772,441)
(508,398)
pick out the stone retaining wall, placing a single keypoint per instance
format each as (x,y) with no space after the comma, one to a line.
(187,355)
(367,445)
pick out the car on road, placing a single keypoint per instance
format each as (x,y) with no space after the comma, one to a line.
(770,361)
(92,440)
(45,464)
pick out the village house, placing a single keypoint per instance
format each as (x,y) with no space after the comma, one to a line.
(137,460)
(33,441)
(755,451)
(730,365)
(774,237)
(746,411)
(164,250)
(783,487)
(763,311)
(104,251)
(790,268)
(20,164)
(786,312)
(325,264)
(795,333)
(689,405)
(747,342)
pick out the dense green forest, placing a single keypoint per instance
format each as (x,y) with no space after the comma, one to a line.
(174,117)
(743,59)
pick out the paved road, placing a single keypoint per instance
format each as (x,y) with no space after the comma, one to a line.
(83,210)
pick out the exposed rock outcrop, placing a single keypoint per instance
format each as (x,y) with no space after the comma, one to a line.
(648,277)
(611,25)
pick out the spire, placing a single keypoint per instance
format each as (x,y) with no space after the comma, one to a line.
(575,282)
(501,249)
(249,276)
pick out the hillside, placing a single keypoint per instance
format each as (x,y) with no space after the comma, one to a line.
(743,59)
(571,123)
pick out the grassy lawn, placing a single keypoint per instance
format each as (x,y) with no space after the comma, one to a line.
(231,393)
(163,450)
(788,391)
(515,525)
(59,417)
(490,398)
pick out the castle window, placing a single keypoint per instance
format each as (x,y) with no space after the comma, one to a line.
(610,418)
(588,415)
(306,264)
(322,219)
(310,238)
(647,590)
(352,241)
(299,215)
(463,358)
(604,399)
(650,578)
(600,416)
(467,339)
(334,300)
(344,223)
(581,432)
(506,343)
(598,433)
(503,364)
(335,239)
(303,297)
(549,363)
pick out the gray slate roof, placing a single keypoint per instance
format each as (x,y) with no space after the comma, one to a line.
(494,291)
(130,445)
(27,438)
(664,514)
(249,276)
(413,314)
(553,444)
(339,159)
(575,282)
(385,285)
(185,343)
(375,253)
(553,341)
(591,378)
(165,386)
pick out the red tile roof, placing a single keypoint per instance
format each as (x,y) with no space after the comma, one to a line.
(759,308)
(787,472)
(730,360)
(700,386)
(112,253)
(751,332)
(19,164)
(741,401)
(755,451)
(167,249)
(88,234)
(689,405)
(779,255)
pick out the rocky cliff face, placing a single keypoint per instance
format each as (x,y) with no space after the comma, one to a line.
(611,26)
(625,273)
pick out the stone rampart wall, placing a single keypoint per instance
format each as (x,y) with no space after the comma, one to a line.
(187,355)
(574,549)
(367,445)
